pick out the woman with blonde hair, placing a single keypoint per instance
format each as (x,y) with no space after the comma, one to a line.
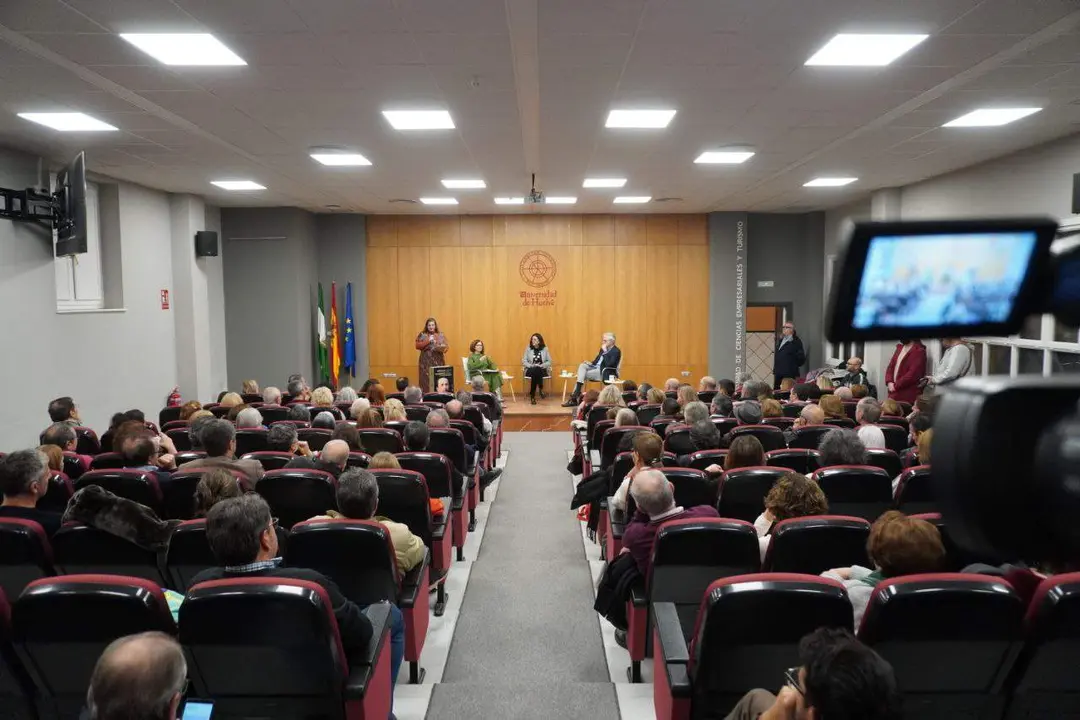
(249,387)
(655,396)
(322,396)
(55,455)
(199,414)
(384,461)
(394,409)
(891,408)
(685,394)
(771,409)
(611,395)
(369,418)
(231,399)
(189,408)
(824,383)
(833,406)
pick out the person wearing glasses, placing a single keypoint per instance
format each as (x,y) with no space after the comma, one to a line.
(838,677)
(789,357)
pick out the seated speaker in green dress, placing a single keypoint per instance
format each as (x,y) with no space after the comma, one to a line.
(478,363)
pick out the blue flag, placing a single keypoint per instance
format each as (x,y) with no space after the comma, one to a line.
(350,337)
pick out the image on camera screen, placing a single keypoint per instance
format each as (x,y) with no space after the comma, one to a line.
(956,279)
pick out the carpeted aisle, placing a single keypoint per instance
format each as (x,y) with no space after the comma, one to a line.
(527,644)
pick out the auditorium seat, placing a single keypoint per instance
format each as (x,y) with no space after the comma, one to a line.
(82,549)
(61,625)
(704,458)
(747,631)
(376,440)
(16,689)
(809,436)
(692,487)
(860,490)
(439,478)
(951,639)
(677,439)
(175,425)
(783,423)
(358,460)
(273,414)
(250,440)
(181,437)
(316,438)
(688,555)
(396,425)
(107,461)
(900,422)
(850,407)
(358,556)
(743,491)
(269,459)
(86,441)
(25,554)
(396,396)
(417,413)
(1046,683)
(316,409)
(885,459)
(450,443)
(843,422)
(613,438)
(706,396)
(270,648)
(595,441)
(800,460)
(138,485)
(772,438)
(404,498)
(60,491)
(167,414)
(188,554)
(298,494)
(724,425)
(792,409)
(438,397)
(184,456)
(250,398)
(661,423)
(75,465)
(295,423)
(915,492)
(896,438)
(218,411)
(956,557)
(817,543)
(646,413)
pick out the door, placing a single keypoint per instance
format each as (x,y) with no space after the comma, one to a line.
(763,324)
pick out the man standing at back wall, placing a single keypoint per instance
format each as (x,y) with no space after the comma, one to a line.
(604,366)
(790,355)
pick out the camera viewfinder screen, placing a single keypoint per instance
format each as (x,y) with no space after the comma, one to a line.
(955,279)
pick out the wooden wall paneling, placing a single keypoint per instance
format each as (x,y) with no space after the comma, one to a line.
(383,306)
(446,281)
(505,338)
(412,231)
(477,230)
(693,229)
(598,302)
(478,310)
(661,320)
(630,229)
(521,230)
(628,321)
(693,294)
(662,230)
(761,319)
(597,230)
(444,231)
(414,294)
(561,229)
(381,231)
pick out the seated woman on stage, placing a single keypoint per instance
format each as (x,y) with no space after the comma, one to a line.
(536,364)
(478,363)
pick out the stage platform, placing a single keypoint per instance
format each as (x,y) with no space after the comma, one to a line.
(546,415)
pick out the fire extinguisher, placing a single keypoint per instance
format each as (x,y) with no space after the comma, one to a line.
(174,398)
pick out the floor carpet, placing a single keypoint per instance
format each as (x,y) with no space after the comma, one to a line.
(528,644)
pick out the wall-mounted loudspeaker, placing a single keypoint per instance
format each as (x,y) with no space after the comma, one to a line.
(206,243)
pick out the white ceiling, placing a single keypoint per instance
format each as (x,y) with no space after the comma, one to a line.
(529,83)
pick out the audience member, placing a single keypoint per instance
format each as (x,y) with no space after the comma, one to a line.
(322,396)
(655,396)
(298,389)
(214,486)
(138,676)
(726,386)
(324,421)
(54,456)
(926,440)
(671,385)
(824,384)
(625,416)
(417,436)
(748,412)
(804,392)
(218,438)
(844,394)
(234,412)
(669,408)
(231,399)
(786,384)
(479,384)
(393,409)
(376,395)
(64,410)
(858,392)
(956,362)
(271,397)
(703,435)
(810,415)
(856,375)
(611,395)
(898,545)
(771,408)
(413,395)
(832,405)
(190,408)
(63,435)
(744,451)
(358,406)
(721,406)
(655,500)
(867,413)
(643,391)
(647,449)
(243,537)
(756,390)
(198,423)
(685,394)
(793,495)
(841,447)
(139,452)
(695,411)
(401,383)
(249,387)
(371,418)
(249,418)
(384,461)
(24,479)
(299,413)
(629,386)
(282,438)
(891,408)
(837,677)
(332,458)
(347,395)
(350,435)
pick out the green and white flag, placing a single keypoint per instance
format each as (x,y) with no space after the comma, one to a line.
(320,339)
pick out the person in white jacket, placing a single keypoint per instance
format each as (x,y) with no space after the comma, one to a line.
(898,545)
(956,362)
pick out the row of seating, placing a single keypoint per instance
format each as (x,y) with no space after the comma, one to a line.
(960,645)
(259,647)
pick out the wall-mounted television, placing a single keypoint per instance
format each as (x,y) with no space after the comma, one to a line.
(69,208)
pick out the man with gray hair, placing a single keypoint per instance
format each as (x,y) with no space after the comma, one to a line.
(358,498)
(867,413)
(298,389)
(249,418)
(358,406)
(218,438)
(271,396)
(707,384)
(282,438)
(841,447)
(413,395)
(655,498)
(695,411)
(721,406)
(603,367)
(138,676)
(24,479)
(811,414)
(333,458)
(756,390)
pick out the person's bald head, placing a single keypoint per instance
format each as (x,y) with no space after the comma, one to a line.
(335,452)
(455,409)
(854,364)
(844,393)
(138,676)
(652,492)
(812,415)
(671,385)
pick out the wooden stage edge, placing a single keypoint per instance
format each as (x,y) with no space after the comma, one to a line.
(546,415)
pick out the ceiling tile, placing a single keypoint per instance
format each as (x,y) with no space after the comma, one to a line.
(137,15)
(51,16)
(244,16)
(1013,16)
(596,17)
(332,16)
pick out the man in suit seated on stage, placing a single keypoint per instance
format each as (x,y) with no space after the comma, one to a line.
(605,365)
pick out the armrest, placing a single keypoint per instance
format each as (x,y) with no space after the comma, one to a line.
(638,598)
(457,503)
(411,582)
(438,527)
(362,665)
(669,630)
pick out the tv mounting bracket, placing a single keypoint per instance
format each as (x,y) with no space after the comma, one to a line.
(29,205)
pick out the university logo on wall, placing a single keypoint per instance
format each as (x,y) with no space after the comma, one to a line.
(537,269)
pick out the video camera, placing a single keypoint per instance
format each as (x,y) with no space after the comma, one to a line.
(1006,450)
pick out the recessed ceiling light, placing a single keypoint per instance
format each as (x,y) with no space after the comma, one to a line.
(830,182)
(68,121)
(464,184)
(184,48)
(438,201)
(639,118)
(560,200)
(419,119)
(632,199)
(859,49)
(991,117)
(723,157)
(238,184)
(603,182)
(339,159)
(509,201)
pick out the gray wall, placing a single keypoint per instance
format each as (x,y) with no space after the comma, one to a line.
(342,258)
(215,285)
(787,249)
(727,331)
(107,361)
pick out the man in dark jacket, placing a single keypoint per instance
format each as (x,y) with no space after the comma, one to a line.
(604,366)
(789,357)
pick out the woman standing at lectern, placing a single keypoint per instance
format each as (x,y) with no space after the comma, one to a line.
(537,364)
(432,345)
